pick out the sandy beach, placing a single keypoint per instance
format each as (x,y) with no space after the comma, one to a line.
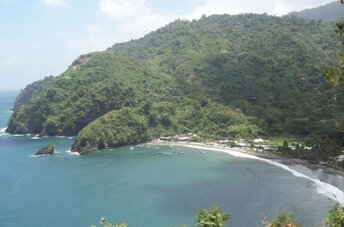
(243,152)
(324,188)
(248,153)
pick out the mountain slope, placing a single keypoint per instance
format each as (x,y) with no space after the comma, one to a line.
(30,91)
(264,67)
(103,82)
(330,12)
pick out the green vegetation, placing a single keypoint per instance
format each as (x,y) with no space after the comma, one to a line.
(49,147)
(215,217)
(284,219)
(320,146)
(323,151)
(30,91)
(336,76)
(221,76)
(117,128)
(47,150)
(279,140)
(151,120)
(336,217)
(212,217)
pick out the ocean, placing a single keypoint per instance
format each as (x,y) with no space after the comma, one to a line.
(144,188)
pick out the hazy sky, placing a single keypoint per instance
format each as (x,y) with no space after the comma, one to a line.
(42,37)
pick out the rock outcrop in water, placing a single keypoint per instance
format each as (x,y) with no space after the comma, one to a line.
(47,150)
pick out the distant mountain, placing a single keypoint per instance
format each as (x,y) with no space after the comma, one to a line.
(328,13)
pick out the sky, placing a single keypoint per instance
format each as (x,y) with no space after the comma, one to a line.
(39,38)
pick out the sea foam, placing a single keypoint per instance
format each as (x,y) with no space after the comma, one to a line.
(36,137)
(65,137)
(323,188)
(72,153)
(3,132)
(37,156)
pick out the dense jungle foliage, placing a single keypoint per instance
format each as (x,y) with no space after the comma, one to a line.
(229,76)
(151,120)
(31,91)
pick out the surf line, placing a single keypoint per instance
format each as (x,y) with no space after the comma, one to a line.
(323,188)
(72,153)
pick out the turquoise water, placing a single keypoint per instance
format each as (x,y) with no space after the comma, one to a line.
(143,187)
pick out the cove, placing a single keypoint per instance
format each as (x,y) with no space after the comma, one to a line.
(142,187)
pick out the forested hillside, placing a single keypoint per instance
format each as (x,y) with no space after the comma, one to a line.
(31,91)
(220,76)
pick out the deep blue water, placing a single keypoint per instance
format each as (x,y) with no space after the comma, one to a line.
(142,187)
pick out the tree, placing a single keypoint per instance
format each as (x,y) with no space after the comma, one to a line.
(284,219)
(336,217)
(337,76)
(212,217)
(284,148)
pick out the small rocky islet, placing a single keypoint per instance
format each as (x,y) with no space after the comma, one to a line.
(47,150)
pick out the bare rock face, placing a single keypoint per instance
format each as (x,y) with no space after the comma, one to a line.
(82,150)
(47,150)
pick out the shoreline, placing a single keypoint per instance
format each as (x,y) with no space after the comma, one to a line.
(323,187)
(242,152)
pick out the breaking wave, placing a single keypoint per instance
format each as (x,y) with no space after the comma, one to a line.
(37,156)
(36,137)
(3,132)
(72,153)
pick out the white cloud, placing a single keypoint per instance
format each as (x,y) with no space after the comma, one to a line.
(94,29)
(55,3)
(132,16)
(272,7)
(122,9)
(61,34)
(96,41)
(135,18)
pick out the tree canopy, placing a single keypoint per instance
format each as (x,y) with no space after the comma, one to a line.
(229,76)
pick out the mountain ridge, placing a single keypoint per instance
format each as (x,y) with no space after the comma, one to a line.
(260,74)
(330,12)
